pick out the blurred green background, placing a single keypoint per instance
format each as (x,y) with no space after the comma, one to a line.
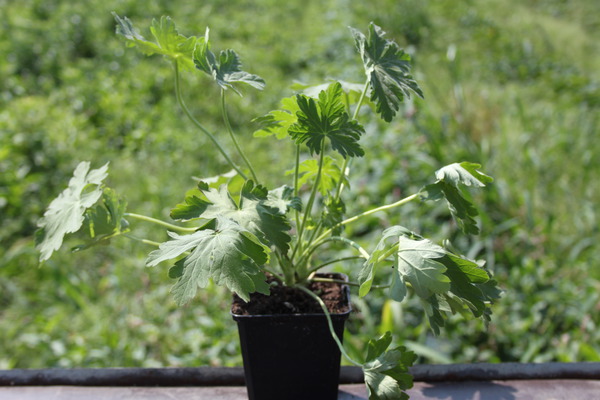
(513,85)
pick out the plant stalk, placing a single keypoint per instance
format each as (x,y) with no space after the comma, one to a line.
(145,241)
(200,126)
(233,138)
(366,213)
(330,324)
(160,222)
(347,283)
(311,200)
(346,165)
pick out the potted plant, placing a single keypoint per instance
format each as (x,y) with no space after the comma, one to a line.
(238,232)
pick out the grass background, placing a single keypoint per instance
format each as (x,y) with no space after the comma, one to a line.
(511,85)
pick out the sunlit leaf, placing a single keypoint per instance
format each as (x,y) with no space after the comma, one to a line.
(388,69)
(277,122)
(65,214)
(253,211)
(327,119)
(229,255)
(448,185)
(387,244)
(418,264)
(331,173)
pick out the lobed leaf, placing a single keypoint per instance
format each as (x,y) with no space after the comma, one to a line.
(277,122)
(105,220)
(254,211)
(282,199)
(448,185)
(229,255)
(386,371)
(418,264)
(326,118)
(367,273)
(169,42)
(65,214)
(331,173)
(388,70)
(224,70)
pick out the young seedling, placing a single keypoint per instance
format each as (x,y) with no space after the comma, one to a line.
(244,230)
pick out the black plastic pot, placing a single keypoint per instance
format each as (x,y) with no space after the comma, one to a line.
(291,356)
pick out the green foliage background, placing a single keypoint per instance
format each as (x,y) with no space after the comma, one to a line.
(511,85)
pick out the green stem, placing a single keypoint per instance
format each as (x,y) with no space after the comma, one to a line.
(160,222)
(366,213)
(145,241)
(346,165)
(199,125)
(274,274)
(364,254)
(318,267)
(311,200)
(232,135)
(296,191)
(330,324)
(347,283)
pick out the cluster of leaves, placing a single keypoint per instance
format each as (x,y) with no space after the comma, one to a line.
(242,231)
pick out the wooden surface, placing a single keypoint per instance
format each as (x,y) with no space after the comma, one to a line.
(571,389)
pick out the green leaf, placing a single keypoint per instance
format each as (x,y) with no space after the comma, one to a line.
(226,69)
(378,256)
(464,173)
(229,255)
(465,277)
(326,119)
(253,211)
(105,220)
(333,213)
(388,70)
(169,42)
(418,264)
(282,199)
(331,173)
(65,213)
(350,89)
(448,185)
(278,122)
(386,372)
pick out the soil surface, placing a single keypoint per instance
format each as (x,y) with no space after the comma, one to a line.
(286,300)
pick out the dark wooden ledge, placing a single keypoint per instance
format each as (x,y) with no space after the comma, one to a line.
(507,381)
(223,376)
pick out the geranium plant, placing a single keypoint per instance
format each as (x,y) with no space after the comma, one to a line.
(235,230)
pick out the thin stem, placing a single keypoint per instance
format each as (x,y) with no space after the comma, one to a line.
(160,222)
(318,267)
(347,283)
(297,171)
(366,213)
(346,165)
(233,138)
(330,324)
(274,274)
(347,241)
(296,192)
(199,125)
(145,241)
(311,200)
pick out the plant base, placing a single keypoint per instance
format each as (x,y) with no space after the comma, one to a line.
(291,356)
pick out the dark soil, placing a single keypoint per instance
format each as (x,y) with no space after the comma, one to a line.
(286,300)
